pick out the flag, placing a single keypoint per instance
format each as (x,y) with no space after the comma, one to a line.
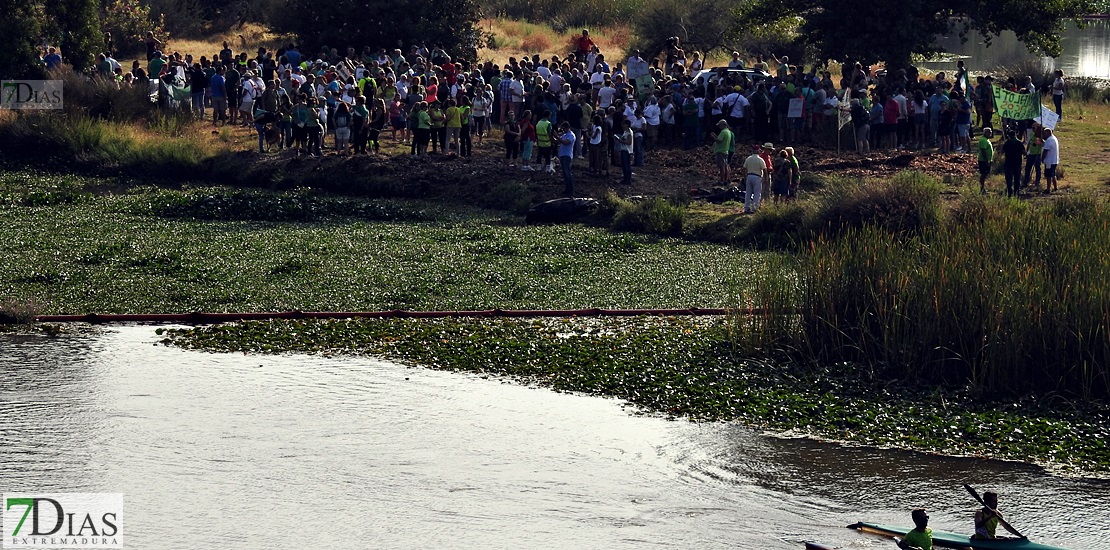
(1048,118)
(1015,106)
(844,108)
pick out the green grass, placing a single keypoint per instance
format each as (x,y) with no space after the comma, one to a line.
(692,368)
(154,250)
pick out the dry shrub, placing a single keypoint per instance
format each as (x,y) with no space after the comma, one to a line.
(535,43)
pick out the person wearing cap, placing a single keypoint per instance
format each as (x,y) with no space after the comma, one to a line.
(247,96)
(755,169)
(722,143)
(767,153)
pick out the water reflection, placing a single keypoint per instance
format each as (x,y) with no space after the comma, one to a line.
(1086,52)
(239,451)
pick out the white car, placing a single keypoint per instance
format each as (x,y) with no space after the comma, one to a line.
(736,77)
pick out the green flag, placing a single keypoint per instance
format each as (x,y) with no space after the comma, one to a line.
(1015,106)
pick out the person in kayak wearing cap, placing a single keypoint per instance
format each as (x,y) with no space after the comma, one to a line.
(986,518)
(921,536)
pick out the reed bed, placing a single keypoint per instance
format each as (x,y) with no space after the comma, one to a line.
(1000,297)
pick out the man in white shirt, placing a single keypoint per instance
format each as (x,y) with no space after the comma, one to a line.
(1050,155)
(738,107)
(605,96)
(516,87)
(652,113)
(755,169)
(903,117)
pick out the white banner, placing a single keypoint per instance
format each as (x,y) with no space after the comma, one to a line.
(1048,118)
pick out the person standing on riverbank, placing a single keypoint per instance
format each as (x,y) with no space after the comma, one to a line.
(1034,143)
(1013,151)
(986,157)
(755,169)
(1058,92)
(565,142)
(722,141)
(1050,156)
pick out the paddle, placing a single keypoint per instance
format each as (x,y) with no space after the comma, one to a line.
(1001,521)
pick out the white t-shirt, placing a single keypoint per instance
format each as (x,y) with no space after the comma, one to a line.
(668,114)
(517,88)
(597,80)
(739,104)
(595,136)
(1051,151)
(480,107)
(651,113)
(625,140)
(605,96)
(1058,87)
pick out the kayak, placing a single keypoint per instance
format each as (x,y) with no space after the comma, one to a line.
(943,539)
(815,546)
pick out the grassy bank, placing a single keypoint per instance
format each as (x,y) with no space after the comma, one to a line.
(693,369)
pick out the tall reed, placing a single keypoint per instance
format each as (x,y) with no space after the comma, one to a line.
(1005,297)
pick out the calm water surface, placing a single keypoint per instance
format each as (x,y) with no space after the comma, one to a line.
(245,452)
(1086,52)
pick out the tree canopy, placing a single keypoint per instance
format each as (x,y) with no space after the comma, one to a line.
(868,32)
(343,23)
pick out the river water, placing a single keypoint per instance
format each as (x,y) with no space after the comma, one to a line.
(1086,52)
(260,452)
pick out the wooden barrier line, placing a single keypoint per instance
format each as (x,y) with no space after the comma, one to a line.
(209,318)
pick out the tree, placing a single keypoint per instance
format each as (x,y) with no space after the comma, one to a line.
(342,23)
(77,24)
(20,26)
(868,32)
(703,25)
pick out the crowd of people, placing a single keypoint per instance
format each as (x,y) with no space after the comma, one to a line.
(550,112)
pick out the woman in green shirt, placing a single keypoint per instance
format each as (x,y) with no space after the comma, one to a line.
(423,128)
(438,126)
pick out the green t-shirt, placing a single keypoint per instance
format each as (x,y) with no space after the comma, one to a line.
(423,120)
(1036,145)
(155,67)
(454,117)
(986,150)
(920,539)
(438,120)
(724,142)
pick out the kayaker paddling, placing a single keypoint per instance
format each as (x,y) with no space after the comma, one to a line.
(987,518)
(921,536)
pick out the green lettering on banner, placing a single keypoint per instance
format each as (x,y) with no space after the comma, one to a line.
(1015,106)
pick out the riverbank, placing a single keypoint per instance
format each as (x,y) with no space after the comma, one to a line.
(394,232)
(226,249)
(693,368)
